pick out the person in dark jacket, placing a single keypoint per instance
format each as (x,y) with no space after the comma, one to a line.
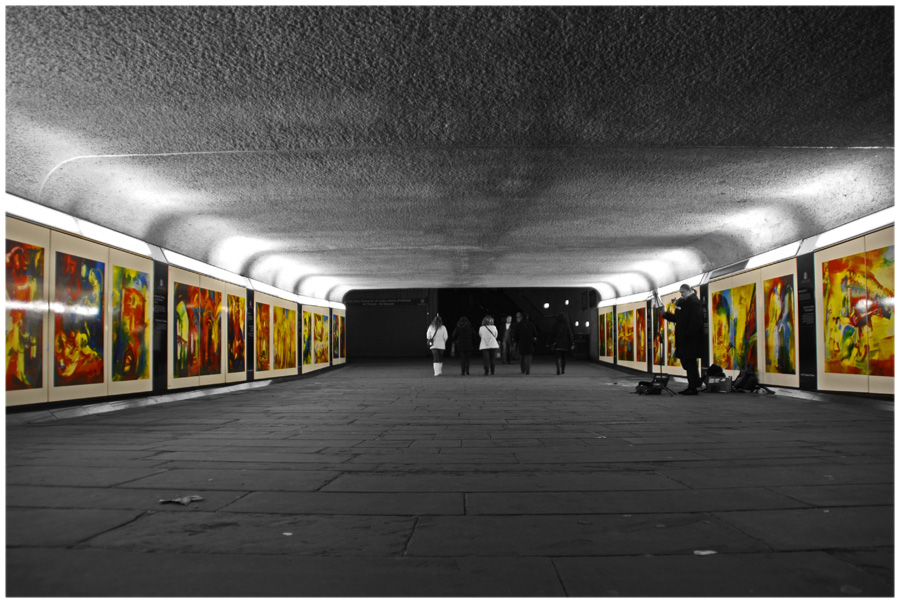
(688,319)
(562,341)
(464,338)
(526,336)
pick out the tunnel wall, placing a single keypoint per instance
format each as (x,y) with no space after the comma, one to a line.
(832,330)
(86,320)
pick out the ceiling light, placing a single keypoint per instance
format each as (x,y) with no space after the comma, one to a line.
(113,238)
(546,306)
(576,323)
(587,323)
(567,302)
(775,255)
(871,222)
(176,259)
(39,214)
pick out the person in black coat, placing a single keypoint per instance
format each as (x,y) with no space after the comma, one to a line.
(562,341)
(525,335)
(688,319)
(465,339)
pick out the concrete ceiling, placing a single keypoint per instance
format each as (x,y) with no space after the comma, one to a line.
(324,149)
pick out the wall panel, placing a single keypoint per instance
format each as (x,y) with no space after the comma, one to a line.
(339,339)
(27,314)
(129,337)
(316,344)
(276,336)
(631,336)
(606,334)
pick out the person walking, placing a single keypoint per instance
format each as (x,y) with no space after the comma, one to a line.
(464,338)
(506,341)
(562,341)
(437,341)
(688,319)
(489,344)
(525,337)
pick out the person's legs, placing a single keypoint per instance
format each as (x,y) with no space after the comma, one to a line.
(693,375)
(527,363)
(562,361)
(522,362)
(435,358)
(491,355)
(485,357)
(463,360)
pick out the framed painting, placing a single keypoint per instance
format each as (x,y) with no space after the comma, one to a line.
(130,333)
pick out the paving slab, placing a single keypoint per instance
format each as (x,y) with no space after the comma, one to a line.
(815,574)
(66,476)
(61,527)
(499,483)
(238,479)
(340,503)
(115,498)
(575,535)
(98,573)
(804,529)
(841,495)
(646,501)
(275,534)
(820,474)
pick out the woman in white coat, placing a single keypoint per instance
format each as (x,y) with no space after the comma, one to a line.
(489,344)
(437,341)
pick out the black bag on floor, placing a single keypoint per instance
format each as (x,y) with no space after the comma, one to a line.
(648,388)
(746,380)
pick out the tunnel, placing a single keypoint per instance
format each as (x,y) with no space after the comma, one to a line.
(449,301)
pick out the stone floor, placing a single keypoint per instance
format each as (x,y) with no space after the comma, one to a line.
(379,479)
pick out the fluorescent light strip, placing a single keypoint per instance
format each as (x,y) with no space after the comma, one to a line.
(693,281)
(275,291)
(775,255)
(871,222)
(183,261)
(113,238)
(33,212)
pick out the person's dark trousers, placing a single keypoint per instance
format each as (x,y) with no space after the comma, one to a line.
(488,356)
(691,367)
(560,362)
(525,363)
(464,362)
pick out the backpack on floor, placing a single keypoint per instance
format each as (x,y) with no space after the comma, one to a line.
(746,380)
(648,388)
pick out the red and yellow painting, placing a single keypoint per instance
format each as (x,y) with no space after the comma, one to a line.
(24,316)
(671,357)
(130,324)
(210,332)
(186,330)
(262,337)
(285,331)
(781,352)
(78,325)
(307,338)
(640,322)
(320,338)
(626,335)
(610,335)
(858,306)
(336,338)
(658,334)
(237,318)
(601,333)
(343,336)
(734,327)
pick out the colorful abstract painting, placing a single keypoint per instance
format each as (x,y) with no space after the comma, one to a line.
(130,324)
(210,332)
(671,357)
(857,299)
(285,331)
(78,332)
(626,335)
(640,322)
(880,295)
(336,337)
(659,352)
(320,338)
(343,336)
(237,318)
(781,353)
(24,316)
(734,327)
(263,328)
(186,331)
(601,335)
(610,333)
(307,338)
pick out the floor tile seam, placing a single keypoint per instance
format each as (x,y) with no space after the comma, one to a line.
(412,532)
(83,541)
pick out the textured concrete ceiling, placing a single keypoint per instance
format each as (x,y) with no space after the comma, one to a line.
(323,149)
